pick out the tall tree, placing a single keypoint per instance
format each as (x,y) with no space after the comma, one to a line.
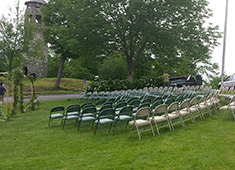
(174,31)
(166,28)
(62,31)
(15,38)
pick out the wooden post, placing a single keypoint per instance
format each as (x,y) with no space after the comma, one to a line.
(12,92)
(7,95)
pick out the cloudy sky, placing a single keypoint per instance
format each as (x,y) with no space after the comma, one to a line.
(218,7)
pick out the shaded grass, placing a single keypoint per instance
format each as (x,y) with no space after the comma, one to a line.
(28,143)
(46,85)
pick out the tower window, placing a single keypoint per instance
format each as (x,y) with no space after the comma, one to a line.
(38,18)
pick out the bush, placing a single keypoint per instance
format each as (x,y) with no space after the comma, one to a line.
(111,85)
(114,67)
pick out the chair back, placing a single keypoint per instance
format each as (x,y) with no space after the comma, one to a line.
(134,103)
(146,100)
(144,105)
(157,98)
(120,105)
(168,101)
(110,100)
(185,104)
(160,110)
(106,113)
(73,105)
(57,109)
(85,104)
(75,109)
(156,103)
(88,110)
(232,102)
(173,107)
(194,101)
(203,99)
(100,102)
(179,98)
(127,110)
(210,96)
(88,105)
(142,112)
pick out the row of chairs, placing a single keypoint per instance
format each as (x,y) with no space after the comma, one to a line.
(227,92)
(167,116)
(89,113)
(229,109)
(156,91)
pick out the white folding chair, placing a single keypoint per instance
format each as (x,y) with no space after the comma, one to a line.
(184,112)
(229,109)
(141,120)
(173,114)
(159,117)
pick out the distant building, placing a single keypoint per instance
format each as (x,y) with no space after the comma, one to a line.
(37,65)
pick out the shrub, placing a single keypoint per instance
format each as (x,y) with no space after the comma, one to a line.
(111,85)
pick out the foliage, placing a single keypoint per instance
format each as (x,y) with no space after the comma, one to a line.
(214,81)
(58,31)
(112,85)
(17,79)
(75,68)
(31,104)
(15,38)
(53,66)
(113,67)
(172,32)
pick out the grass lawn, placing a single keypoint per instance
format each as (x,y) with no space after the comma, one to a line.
(45,85)
(26,142)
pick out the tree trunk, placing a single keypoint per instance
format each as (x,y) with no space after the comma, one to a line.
(129,69)
(60,71)
(130,76)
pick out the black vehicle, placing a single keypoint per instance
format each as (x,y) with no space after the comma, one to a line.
(180,81)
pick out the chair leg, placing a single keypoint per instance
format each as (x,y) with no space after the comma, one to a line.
(223,115)
(169,124)
(157,128)
(137,129)
(101,130)
(79,122)
(110,127)
(233,114)
(95,128)
(130,130)
(64,123)
(181,120)
(172,126)
(152,128)
(126,124)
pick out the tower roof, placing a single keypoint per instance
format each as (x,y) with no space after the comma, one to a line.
(37,1)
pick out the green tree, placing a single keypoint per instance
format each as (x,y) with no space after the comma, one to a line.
(113,67)
(68,38)
(53,65)
(173,31)
(15,38)
(168,29)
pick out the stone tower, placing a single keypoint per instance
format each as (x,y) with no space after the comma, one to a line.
(36,65)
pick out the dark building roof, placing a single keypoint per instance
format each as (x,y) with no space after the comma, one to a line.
(35,1)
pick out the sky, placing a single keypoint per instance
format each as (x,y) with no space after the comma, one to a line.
(218,8)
